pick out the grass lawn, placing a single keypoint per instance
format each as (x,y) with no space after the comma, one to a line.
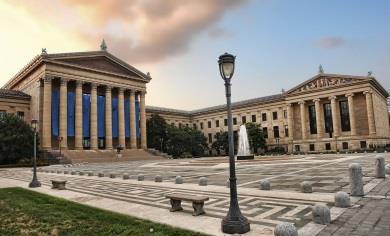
(24,212)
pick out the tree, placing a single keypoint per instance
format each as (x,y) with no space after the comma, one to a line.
(255,136)
(222,141)
(156,128)
(16,139)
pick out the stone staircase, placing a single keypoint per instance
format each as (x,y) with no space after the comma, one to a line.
(92,156)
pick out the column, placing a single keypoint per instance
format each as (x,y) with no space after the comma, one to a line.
(94,125)
(370,113)
(108,118)
(79,116)
(351,113)
(143,120)
(335,116)
(64,113)
(290,121)
(121,115)
(133,134)
(320,126)
(303,119)
(46,114)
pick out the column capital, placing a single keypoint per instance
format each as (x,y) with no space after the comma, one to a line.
(79,83)
(301,102)
(288,104)
(47,79)
(94,86)
(332,97)
(349,95)
(142,93)
(64,81)
(121,89)
(108,88)
(316,100)
(367,92)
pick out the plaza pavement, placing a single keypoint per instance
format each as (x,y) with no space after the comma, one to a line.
(265,209)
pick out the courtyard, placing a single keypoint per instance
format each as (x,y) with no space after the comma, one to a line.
(285,202)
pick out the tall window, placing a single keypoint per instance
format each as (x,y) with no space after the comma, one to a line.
(243,119)
(264,117)
(217,123)
(194,126)
(275,115)
(225,122)
(201,125)
(344,115)
(234,121)
(20,114)
(328,118)
(253,118)
(285,114)
(265,132)
(286,131)
(276,131)
(312,119)
(210,138)
(209,124)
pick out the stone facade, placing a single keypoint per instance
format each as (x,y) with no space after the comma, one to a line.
(15,102)
(95,73)
(356,115)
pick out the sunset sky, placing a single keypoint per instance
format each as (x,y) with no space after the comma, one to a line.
(278,44)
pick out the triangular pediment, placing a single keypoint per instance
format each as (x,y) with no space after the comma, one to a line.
(100,61)
(324,81)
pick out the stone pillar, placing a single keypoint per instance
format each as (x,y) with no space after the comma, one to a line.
(94,125)
(356,179)
(46,114)
(320,126)
(79,116)
(290,124)
(303,119)
(108,118)
(121,115)
(335,120)
(133,135)
(370,113)
(380,167)
(64,113)
(143,120)
(351,113)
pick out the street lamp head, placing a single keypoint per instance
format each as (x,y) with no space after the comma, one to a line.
(226,65)
(34,123)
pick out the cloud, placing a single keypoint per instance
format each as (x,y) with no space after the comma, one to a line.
(137,30)
(330,42)
(219,33)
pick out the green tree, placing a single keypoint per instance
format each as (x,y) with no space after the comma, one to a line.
(255,136)
(185,142)
(16,139)
(222,141)
(156,128)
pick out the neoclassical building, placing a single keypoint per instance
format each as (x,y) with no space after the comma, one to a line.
(93,101)
(83,100)
(328,112)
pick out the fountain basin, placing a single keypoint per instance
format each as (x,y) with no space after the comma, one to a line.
(245,157)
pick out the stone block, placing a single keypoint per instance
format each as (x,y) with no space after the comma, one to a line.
(178,180)
(81,173)
(306,187)
(73,173)
(356,179)
(112,176)
(387,169)
(125,176)
(140,177)
(380,167)
(101,175)
(342,199)
(265,184)
(202,181)
(66,172)
(158,179)
(59,172)
(285,229)
(321,214)
(90,173)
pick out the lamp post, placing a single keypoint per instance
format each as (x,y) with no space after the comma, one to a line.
(35,183)
(234,222)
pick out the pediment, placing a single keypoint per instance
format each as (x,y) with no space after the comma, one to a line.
(326,81)
(100,63)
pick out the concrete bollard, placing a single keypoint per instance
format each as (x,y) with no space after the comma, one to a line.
(202,181)
(158,179)
(101,175)
(380,167)
(52,171)
(73,173)
(112,176)
(321,214)
(59,172)
(265,184)
(66,172)
(140,177)
(81,173)
(387,169)
(90,173)
(125,176)
(306,187)
(178,180)
(356,179)
(342,199)
(285,229)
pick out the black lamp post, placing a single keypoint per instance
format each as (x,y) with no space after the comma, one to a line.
(35,183)
(234,222)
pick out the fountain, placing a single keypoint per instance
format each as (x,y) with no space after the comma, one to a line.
(244,152)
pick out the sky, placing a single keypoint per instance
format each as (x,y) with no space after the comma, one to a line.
(278,43)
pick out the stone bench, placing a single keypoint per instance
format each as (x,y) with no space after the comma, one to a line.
(58,184)
(197,202)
